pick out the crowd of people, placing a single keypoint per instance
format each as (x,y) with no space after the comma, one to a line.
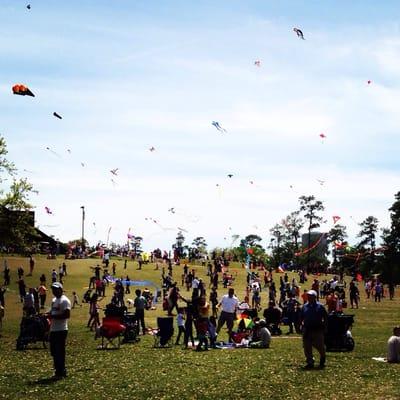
(200,312)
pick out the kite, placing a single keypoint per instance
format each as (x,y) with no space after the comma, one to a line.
(113,182)
(322,136)
(28,6)
(335,219)
(218,126)
(183,230)
(339,245)
(234,238)
(320,182)
(114,171)
(230,175)
(22,90)
(69,151)
(257,63)
(152,148)
(251,182)
(312,247)
(130,236)
(48,210)
(53,152)
(369,82)
(299,33)
(57,115)
(82,164)
(29,172)
(172,210)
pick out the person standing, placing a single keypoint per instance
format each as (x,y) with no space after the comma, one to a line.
(59,315)
(314,319)
(140,304)
(229,304)
(354,294)
(31,265)
(6,274)
(180,320)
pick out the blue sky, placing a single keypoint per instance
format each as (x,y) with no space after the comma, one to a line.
(130,75)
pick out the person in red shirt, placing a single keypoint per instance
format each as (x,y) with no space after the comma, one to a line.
(304,296)
(331,301)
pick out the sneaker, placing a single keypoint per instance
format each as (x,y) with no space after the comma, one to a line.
(308,366)
(322,362)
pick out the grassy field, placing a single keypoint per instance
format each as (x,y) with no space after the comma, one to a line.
(138,371)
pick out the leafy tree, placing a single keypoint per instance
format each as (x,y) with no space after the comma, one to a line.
(337,234)
(178,246)
(310,207)
(278,234)
(251,241)
(369,229)
(389,263)
(16,220)
(293,224)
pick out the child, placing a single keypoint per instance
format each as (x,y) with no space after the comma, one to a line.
(94,321)
(75,300)
(212,331)
(180,320)
(202,330)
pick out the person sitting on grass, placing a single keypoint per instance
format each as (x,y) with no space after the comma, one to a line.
(393,355)
(263,336)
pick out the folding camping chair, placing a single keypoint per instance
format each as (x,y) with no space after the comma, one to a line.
(163,337)
(110,332)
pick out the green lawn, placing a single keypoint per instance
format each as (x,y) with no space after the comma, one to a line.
(138,371)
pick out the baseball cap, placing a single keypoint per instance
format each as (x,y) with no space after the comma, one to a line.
(312,293)
(57,285)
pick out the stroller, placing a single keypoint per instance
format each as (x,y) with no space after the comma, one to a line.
(34,328)
(163,336)
(338,336)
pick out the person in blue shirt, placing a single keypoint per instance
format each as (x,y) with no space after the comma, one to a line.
(314,320)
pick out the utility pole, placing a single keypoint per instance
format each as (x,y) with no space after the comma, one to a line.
(83,227)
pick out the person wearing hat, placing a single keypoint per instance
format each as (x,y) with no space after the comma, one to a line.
(59,315)
(314,320)
(264,336)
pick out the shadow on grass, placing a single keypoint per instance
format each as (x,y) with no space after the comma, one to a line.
(45,381)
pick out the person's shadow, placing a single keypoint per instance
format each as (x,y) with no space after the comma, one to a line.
(45,381)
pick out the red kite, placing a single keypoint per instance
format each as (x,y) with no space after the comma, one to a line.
(335,219)
(22,90)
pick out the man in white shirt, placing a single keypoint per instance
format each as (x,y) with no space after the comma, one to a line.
(59,315)
(229,304)
(393,355)
(195,283)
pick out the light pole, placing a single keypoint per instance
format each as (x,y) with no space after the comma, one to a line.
(83,227)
